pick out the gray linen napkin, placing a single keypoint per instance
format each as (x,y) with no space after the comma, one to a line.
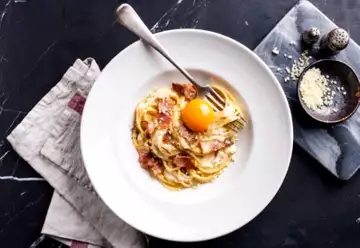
(48,139)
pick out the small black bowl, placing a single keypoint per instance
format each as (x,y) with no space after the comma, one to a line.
(341,78)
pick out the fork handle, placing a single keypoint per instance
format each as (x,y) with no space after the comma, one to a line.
(127,17)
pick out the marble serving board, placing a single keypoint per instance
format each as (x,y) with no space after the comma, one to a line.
(336,147)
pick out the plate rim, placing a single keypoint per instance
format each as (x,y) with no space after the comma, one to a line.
(276,84)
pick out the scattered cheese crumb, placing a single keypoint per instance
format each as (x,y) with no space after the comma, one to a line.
(313,90)
(278,69)
(287,69)
(293,43)
(287,79)
(289,57)
(246,23)
(299,65)
(275,51)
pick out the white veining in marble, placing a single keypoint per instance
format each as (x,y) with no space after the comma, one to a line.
(40,58)
(38,241)
(4,101)
(4,155)
(18,213)
(353,127)
(11,110)
(24,179)
(329,151)
(164,20)
(189,18)
(4,12)
(12,124)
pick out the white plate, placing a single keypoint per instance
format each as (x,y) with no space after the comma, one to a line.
(213,209)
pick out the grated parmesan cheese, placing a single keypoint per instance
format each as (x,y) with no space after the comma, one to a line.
(299,65)
(314,91)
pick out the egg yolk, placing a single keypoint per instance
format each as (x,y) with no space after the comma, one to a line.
(197,115)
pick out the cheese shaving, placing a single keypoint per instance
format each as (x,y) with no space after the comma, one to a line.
(299,65)
(314,91)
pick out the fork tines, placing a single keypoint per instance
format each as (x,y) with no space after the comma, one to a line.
(216,101)
(236,125)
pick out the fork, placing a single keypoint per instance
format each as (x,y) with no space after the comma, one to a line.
(127,17)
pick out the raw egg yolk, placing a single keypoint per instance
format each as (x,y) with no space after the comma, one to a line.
(197,115)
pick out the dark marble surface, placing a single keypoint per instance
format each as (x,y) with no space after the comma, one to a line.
(40,39)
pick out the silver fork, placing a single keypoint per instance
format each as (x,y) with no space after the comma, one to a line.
(127,17)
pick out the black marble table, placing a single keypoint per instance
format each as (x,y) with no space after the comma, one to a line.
(40,39)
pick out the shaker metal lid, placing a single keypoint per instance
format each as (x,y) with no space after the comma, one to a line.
(338,39)
(311,35)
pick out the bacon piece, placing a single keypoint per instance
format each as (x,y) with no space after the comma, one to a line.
(144,125)
(188,90)
(228,142)
(165,105)
(157,169)
(178,88)
(214,145)
(148,161)
(188,135)
(164,118)
(142,150)
(148,127)
(211,146)
(151,128)
(183,161)
(167,138)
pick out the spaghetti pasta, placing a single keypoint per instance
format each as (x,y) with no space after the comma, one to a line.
(176,156)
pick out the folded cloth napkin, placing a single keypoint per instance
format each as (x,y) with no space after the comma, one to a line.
(48,139)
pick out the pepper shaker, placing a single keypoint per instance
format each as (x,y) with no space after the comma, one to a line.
(335,41)
(311,35)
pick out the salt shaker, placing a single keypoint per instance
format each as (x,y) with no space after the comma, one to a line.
(335,41)
(311,36)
